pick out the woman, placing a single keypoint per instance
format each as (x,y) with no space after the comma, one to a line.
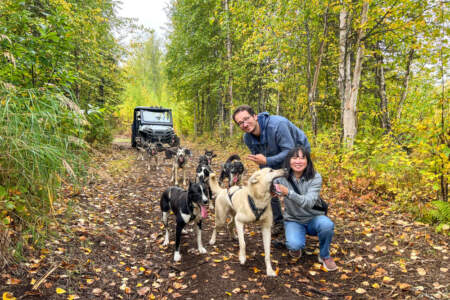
(300,218)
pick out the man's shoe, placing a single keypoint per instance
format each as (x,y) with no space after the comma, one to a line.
(328,263)
(277,229)
(295,253)
(279,244)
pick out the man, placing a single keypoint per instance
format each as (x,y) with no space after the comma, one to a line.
(269,138)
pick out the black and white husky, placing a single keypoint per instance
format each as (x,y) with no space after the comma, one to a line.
(187,206)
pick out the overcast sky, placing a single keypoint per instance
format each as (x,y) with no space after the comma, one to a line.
(150,13)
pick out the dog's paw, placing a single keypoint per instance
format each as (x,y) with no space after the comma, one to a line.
(177,256)
(212,242)
(202,250)
(271,273)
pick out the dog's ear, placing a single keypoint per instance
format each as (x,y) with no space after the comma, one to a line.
(253,179)
(214,155)
(187,151)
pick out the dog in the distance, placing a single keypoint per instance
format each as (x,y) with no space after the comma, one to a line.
(207,157)
(247,204)
(187,206)
(152,154)
(180,157)
(202,175)
(232,169)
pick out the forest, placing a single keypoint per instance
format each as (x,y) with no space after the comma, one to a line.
(366,80)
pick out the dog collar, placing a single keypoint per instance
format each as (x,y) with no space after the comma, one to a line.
(258,212)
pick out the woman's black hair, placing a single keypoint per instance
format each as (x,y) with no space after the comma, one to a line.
(309,172)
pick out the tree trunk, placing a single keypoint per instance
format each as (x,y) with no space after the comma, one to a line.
(350,105)
(312,91)
(381,83)
(230,76)
(405,84)
(344,61)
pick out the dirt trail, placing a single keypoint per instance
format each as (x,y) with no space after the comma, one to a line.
(111,249)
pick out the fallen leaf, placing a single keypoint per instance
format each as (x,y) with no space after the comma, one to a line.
(8,296)
(12,281)
(97,291)
(421,271)
(73,297)
(376,285)
(60,291)
(256,270)
(360,291)
(404,286)
(387,279)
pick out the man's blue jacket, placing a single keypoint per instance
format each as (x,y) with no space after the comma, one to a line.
(278,136)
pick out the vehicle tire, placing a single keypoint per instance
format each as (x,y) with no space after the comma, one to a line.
(133,136)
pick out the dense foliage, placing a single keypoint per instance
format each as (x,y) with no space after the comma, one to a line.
(364,79)
(58,72)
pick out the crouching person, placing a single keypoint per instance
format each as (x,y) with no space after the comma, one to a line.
(303,213)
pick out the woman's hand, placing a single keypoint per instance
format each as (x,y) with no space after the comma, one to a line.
(281,189)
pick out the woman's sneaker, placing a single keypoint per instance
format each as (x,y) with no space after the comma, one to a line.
(328,263)
(295,253)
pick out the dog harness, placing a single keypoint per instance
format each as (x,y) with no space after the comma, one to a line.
(230,196)
(258,212)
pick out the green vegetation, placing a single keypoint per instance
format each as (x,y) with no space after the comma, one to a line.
(365,80)
(59,83)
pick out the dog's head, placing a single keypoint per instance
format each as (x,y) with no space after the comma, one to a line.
(197,196)
(209,155)
(261,182)
(152,149)
(203,160)
(203,172)
(236,170)
(182,155)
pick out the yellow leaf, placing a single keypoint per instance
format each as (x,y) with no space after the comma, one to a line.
(73,297)
(404,286)
(217,260)
(228,293)
(151,297)
(376,285)
(89,281)
(60,291)
(8,296)
(142,269)
(387,279)
(33,281)
(256,270)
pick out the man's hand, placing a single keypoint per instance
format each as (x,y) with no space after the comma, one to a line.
(258,158)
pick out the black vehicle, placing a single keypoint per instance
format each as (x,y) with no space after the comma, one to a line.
(153,124)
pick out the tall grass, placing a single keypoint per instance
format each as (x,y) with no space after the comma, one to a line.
(41,146)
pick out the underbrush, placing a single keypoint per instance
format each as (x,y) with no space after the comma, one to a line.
(41,147)
(378,168)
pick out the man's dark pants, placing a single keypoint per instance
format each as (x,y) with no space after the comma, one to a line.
(276,210)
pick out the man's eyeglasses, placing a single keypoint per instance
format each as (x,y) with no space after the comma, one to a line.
(240,123)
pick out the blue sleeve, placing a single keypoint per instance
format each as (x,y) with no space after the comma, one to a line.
(285,142)
(304,141)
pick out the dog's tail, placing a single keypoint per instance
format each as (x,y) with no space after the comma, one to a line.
(213,183)
(233,157)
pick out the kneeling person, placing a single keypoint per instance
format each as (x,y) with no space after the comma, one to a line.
(302,215)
